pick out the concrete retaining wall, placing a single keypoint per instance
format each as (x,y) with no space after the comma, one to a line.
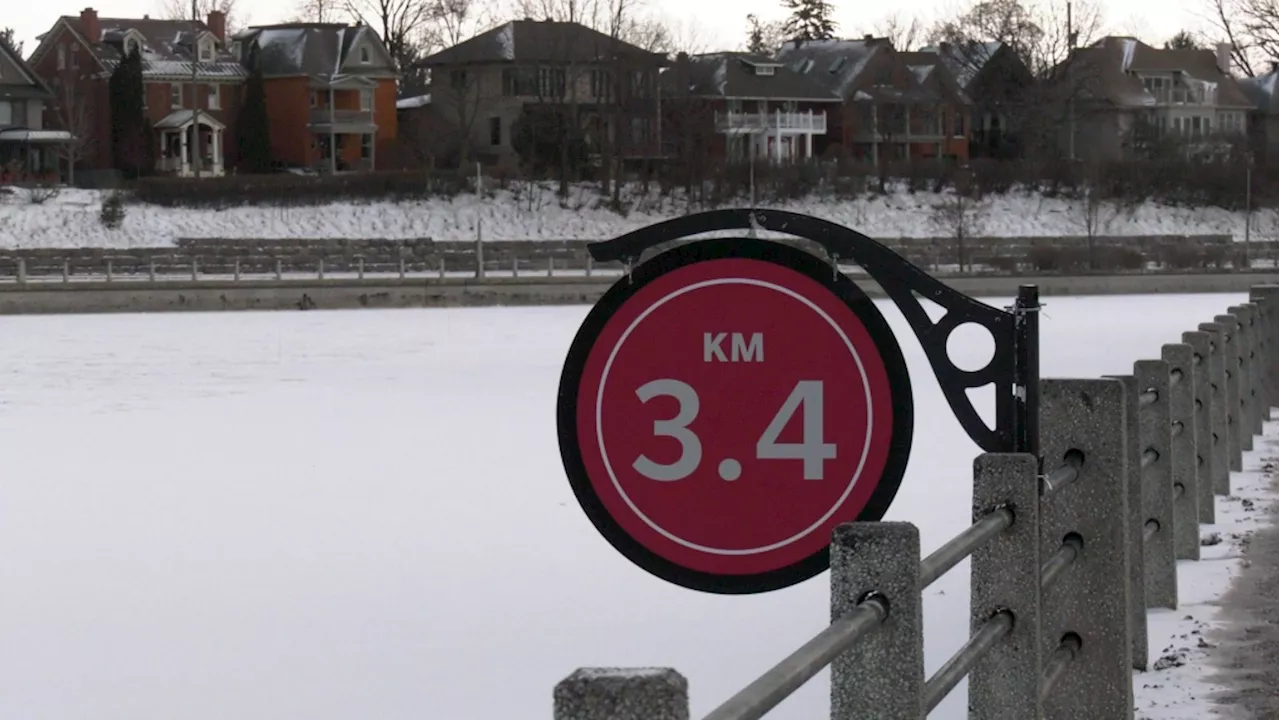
(209,295)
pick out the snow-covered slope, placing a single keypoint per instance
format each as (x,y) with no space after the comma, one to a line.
(71,219)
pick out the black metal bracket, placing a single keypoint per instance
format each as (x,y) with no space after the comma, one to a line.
(902,282)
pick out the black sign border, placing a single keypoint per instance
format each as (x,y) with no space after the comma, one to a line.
(716,249)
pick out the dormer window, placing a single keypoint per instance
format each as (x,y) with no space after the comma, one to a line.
(365,55)
(132,40)
(235,50)
(205,49)
(764,70)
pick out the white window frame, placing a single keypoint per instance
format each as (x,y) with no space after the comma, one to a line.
(213,99)
(204,50)
(366,146)
(366,56)
(366,99)
(6,116)
(175,96)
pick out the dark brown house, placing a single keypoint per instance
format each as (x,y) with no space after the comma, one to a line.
(1000,90)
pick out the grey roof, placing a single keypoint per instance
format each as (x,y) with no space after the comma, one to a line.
(1262,91)
(1112,69)
(540,41)
(27,84)
(168,49)
(836,64)
(733,75)
(965,60)
(313,49)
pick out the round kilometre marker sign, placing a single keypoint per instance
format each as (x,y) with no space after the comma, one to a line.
(726,407)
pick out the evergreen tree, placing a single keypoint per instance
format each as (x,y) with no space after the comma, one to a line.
(809,20)
(7,40)
(253,128)
(755,36)
(1182,41)
(130,133)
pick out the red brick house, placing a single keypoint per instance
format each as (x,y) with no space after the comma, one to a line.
(893,106)
(190,80)
(750,106)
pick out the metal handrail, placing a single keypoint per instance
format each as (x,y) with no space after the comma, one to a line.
(963,545)
(1065,474)
(958,666)
(1060,561)
(1058,662)
(771,688)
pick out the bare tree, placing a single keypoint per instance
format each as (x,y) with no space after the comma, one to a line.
(320,11)
(960,216)
(1091,210)
(764,37)
(903,33)
(1250,27)
(399,22)
(74,114)
(181,10)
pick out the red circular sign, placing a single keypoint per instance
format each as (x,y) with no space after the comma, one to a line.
(730,412)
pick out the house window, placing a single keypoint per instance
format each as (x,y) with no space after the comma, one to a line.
(129,45)
(206,51)
(601,85)
(366,99)
(62,57)
(314,97)
(640,84)
(175,95)
(764,69)
(458,80)
(957,120)
(884,76)
(214,99)
(641,128)
(366,147)
(6,113)
(364,54)
(495,131)
(551,82)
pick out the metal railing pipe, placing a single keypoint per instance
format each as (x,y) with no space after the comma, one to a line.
(958,666)
(1059,561)
(771,688)
(1148,397)
(1149,457)
(1062,476)
(1149,530)
(1058,662)
(963,545)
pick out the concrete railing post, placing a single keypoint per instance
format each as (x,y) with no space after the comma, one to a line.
(551,267)
(515,267)
(441,267)
(279,269)
(401,268)
(320,269)
(1231,368)
(235,270)
(110,275)
(1005,574)
(1219,437)
(22,270)
(1244,349)
(1090,599)
(622,694)
(1181,490)
(1155,440)
(1256,399)
(1267,297)
(360,268)
(882,676)
(195,268)
(588,266)
(151,269)
(1134,443)
(66,271)
(1202,403)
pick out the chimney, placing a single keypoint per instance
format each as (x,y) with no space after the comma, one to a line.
(92,28)
(1224,58)
(867,37)
(1275,67)
(217,22)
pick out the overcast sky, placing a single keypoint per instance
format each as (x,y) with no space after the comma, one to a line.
(717,24)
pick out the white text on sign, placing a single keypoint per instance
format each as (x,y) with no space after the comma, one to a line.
(741,347)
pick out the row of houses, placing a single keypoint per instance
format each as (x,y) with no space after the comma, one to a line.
(333,105)
(860,98)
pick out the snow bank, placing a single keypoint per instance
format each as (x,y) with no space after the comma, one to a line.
(71,219)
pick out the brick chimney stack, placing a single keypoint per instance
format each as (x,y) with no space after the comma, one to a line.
(1224,57)
(92,28)
(217,22)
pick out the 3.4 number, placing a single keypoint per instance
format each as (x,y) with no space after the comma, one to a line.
(811,451)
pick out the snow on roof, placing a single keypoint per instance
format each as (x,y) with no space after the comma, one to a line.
(288,43)
(416,101)
(921,71)
(1128,45)
(507,41)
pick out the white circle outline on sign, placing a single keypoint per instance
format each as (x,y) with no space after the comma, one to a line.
(604,377)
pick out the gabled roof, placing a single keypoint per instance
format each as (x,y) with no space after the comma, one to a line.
(965,60)
(168,46)
(733,75)
(1262,91)
(17,79)
(314,49)
(547,41)
(836,64)
(930,71)
(1112,70)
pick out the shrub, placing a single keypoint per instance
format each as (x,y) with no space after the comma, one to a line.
(111,214)
(286,189)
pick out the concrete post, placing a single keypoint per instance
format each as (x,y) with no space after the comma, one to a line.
(622,694)
(551,267)
(66,271)
(1201,400)
(360,268)
(1231,368)
(1256,397)
(1219,437)
(515,267)
(110,275)
(320,269)
(1268,298)
(279,269)
(441,267)
(1005,573)
(588,266)
(1134,443)
(1244,347)
(236,271)
(195,268)
(401,268)
(882,676)
(22,271)
(151,269)
(1160,580)
(1181,492)
(479,248)
(1091,598)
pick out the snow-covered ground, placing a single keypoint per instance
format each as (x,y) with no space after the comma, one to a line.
(335,515)
(71,219)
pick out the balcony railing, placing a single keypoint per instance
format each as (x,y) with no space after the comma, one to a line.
(320,116)
(777,120)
